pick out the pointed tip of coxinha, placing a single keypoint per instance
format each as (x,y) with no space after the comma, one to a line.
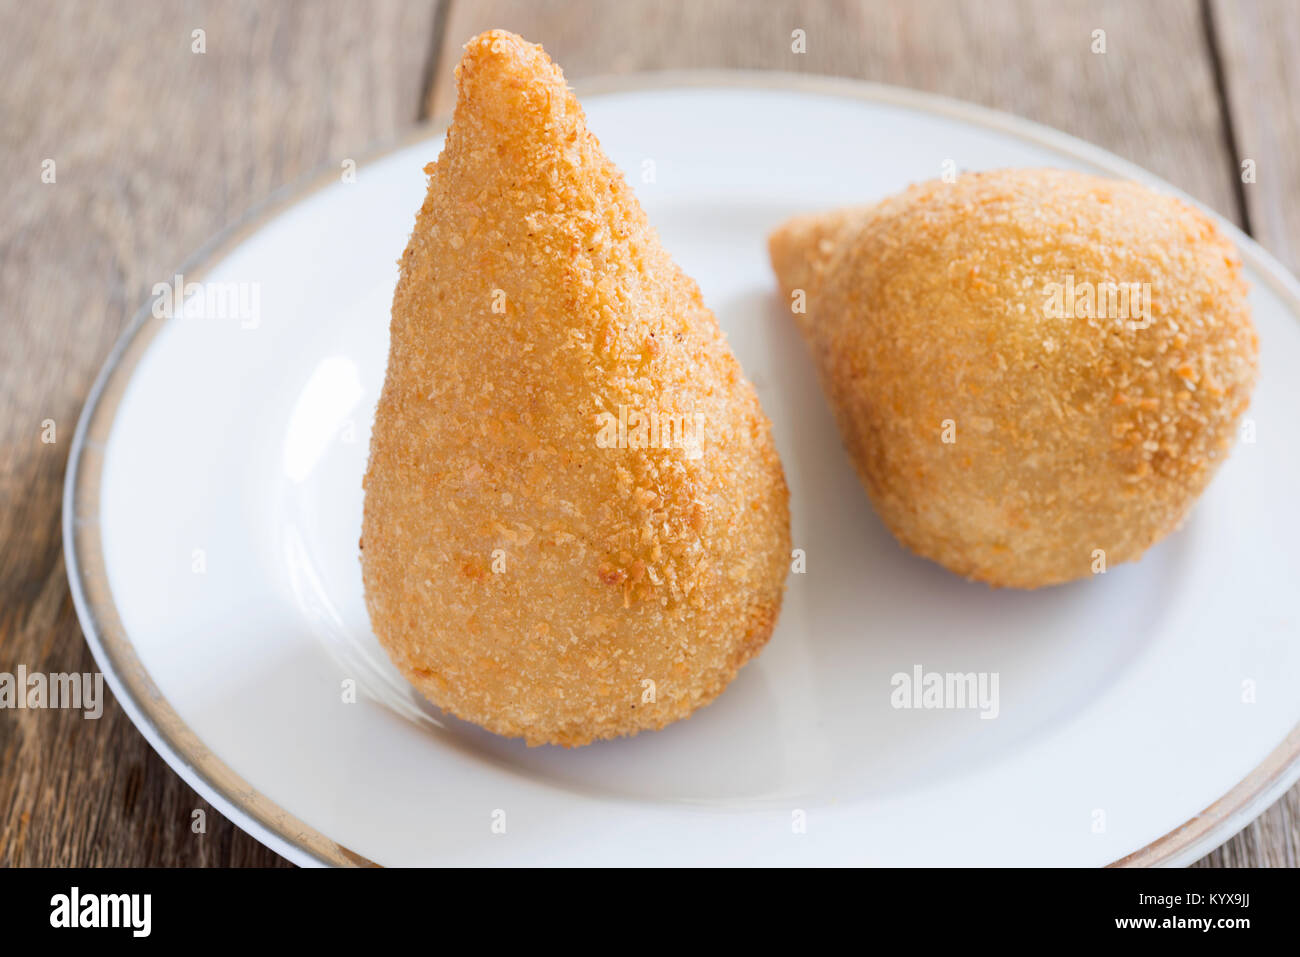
(498,60)
(523,192)
(796,247)
(503,81)
(515,117)
(802,247)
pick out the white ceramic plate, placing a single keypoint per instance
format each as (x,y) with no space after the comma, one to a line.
(213,508)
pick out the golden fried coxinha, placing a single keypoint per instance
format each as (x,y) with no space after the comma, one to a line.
(1036,372)
(576,524)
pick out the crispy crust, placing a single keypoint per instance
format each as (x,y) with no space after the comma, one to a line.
(1073,433)
(519,574)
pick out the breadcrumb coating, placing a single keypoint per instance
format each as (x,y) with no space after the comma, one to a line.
(530,565)
(1008,421)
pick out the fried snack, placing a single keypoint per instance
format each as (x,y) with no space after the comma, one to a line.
(1035,372)
(576,524)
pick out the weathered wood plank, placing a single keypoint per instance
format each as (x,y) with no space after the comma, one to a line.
(156,148)
(1258,43)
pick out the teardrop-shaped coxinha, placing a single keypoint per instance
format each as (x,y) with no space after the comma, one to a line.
(576,524)
(1036,372)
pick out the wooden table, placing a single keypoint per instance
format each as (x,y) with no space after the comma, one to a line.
(157,147)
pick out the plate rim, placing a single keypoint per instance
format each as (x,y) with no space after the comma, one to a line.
(292,838)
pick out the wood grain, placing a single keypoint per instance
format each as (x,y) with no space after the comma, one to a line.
(1259,46)
(156,149)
